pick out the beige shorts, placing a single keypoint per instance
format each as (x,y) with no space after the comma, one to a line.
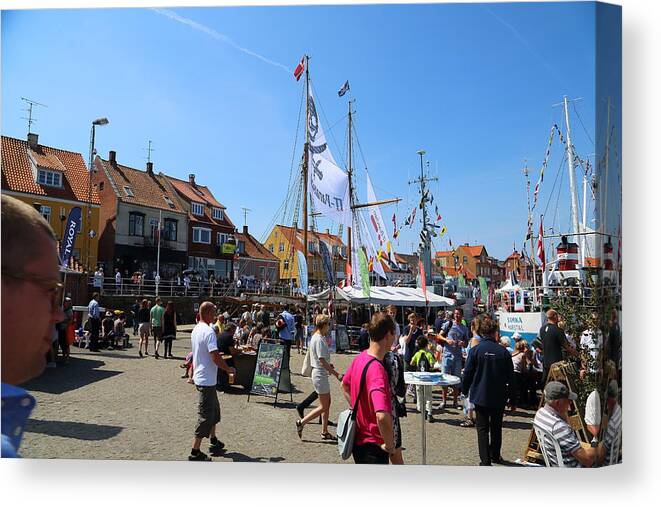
(143,329)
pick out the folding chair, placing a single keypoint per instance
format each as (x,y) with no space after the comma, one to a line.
(542,437)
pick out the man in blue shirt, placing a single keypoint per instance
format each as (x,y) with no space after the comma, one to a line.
(487,376)
(454,337)
(31,298)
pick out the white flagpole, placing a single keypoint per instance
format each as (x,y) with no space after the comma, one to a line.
(158,250)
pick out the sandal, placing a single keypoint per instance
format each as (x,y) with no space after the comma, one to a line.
(299,429)
(327,436)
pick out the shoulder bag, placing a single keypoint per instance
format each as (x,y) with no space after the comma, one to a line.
(346,421)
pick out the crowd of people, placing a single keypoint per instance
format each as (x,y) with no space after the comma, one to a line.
(493,372)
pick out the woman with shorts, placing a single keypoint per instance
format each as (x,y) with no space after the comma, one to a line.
(321,367)
(144,319)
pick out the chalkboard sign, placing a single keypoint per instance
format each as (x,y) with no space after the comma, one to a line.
(342,338)
(266,378)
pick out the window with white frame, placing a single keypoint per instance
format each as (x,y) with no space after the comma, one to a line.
(221,238)
(241,247)
(49,178)
(217,214)
(286,265)
(197,208)
(201,235)
(129,192)
(281,247)
(45,212)
(271,247)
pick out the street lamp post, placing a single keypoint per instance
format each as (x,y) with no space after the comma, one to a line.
(100,122)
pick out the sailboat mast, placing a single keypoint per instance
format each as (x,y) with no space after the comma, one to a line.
(604,187)
(350,173)
(530,233)
(572,182)
(307,157)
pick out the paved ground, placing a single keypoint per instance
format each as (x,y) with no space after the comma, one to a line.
(114,405)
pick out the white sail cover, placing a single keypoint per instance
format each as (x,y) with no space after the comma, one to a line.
(328,185)
(400,296)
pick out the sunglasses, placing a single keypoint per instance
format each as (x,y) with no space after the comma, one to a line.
(54,288)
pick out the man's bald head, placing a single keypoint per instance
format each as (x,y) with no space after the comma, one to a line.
(207,312)
(20,223)
(552,316)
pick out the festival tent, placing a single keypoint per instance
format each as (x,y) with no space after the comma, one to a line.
(399,296)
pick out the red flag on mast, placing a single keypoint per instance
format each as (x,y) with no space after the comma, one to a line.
(540,244)
(423,280)
(298,71)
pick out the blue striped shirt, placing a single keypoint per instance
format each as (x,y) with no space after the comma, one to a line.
(549,420)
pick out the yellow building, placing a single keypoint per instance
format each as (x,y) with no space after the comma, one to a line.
(283,242)
(53,181)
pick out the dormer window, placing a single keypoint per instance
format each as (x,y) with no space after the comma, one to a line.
(217,214)
(197,208)
(129,192)
(49,178)
(169,201)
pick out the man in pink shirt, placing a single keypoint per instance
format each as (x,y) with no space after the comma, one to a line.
(374,439)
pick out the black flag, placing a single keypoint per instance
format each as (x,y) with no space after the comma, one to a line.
(344,89)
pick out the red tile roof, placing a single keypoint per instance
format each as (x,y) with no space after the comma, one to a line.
(148,189)
(253,248)
(18,176)
(475,250)
(202,195)
(288,232)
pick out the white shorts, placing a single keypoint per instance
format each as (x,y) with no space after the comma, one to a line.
(143,329)
(320,381)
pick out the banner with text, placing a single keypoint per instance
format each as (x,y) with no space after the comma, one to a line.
(328,185)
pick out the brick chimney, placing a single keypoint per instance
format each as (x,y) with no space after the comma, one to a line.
(191,179)
(150,168)
(112,158)
(33,140)
(245,230)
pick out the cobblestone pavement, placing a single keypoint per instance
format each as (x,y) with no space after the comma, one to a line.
(115,405)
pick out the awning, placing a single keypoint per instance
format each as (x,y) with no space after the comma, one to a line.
(399,296)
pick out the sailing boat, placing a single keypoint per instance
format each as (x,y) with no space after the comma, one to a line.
(582,257)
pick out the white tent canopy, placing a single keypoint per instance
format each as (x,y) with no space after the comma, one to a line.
(508,287)
(399,296)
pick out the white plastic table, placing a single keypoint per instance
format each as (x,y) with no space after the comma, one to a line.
(428,379)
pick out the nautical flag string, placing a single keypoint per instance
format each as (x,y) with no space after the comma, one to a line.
(545,163)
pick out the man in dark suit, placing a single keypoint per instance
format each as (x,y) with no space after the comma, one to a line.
(487,376)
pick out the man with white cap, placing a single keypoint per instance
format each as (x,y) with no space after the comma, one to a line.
(553,417)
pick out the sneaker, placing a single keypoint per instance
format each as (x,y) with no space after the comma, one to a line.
(217,448)
(430,418)
(442,405)
(200,456)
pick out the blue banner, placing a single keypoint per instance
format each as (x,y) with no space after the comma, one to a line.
(302,272)
(328,264)
(69,235)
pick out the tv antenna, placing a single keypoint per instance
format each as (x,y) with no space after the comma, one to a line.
(29,118)
(148,149)
(245,214)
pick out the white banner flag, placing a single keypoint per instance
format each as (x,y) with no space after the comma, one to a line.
(328,185)
(356,280)
(370,248)
(377,225)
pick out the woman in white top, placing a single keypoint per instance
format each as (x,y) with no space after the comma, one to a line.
(321,367)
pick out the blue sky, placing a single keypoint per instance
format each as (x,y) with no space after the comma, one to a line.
(473,85)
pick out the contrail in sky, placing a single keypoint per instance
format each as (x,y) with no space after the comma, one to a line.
(218,36)
(525,43)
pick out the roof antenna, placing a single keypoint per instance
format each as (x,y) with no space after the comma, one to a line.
(245,215)
(30,119)
(148,149)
